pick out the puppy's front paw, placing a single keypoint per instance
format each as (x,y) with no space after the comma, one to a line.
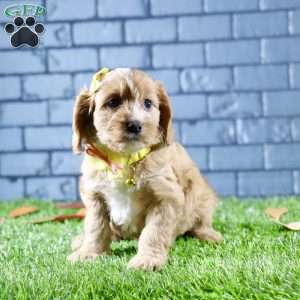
(208,234)
(217,237)
(82,255)
(213,236)
(77,242)
(147,262)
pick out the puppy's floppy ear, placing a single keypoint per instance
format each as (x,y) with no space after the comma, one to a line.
(83,128)
(165,109)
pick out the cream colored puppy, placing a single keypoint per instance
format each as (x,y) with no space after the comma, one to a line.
(137,181)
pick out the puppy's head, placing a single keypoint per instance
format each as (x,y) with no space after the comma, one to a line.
(128,111)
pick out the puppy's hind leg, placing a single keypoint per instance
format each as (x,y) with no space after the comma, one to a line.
(201,202)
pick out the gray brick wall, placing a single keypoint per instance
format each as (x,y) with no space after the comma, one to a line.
(232,69)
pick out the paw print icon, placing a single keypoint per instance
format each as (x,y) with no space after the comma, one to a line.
(24,32)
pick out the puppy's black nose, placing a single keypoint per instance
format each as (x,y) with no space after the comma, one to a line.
(134,127)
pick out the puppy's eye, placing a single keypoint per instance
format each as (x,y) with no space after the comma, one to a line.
(147,103)
(113,103)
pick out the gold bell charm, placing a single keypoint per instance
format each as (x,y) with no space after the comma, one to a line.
(130,181)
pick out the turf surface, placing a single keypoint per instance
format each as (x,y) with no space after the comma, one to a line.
(258,260)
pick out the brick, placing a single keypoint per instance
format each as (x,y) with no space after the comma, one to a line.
(12,114)
(175,7)
(22,61)
(265,183)
(287,49)
(57,35)
(112,8)
(234,105)
(22,164)
(12,139)
(204,79)
(11,189)
(48,138)
(261,77)
(295,22)
(176,129)
(297,182)
(150,30)
(189,106)
(84,59)
(222,182)
(98,33)
(60,111)
(5,3)
(230,53)
(260,24)
(232,5)
(204,28)
(10,88)
(65,163)
(36,87)
(278,4)
(199,156)
(283,103)
(82,80)
(208,133)
(169,78)
(70,10)
(286,156)
(116,57)
(57,188)
(183,55)
(236,158)
(296,129)
(263,130)
(295,75)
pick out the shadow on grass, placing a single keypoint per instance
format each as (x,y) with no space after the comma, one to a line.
(123,249)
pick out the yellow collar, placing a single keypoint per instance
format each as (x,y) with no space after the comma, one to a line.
(115,164)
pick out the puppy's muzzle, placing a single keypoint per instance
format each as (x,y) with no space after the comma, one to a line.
(134,127)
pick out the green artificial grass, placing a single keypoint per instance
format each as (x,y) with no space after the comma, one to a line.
(258,260)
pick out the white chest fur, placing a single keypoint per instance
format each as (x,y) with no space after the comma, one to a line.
(121,202)
(120,198)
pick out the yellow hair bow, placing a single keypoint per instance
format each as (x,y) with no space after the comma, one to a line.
(97,78)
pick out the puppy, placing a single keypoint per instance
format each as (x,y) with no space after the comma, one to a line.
(137,181)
